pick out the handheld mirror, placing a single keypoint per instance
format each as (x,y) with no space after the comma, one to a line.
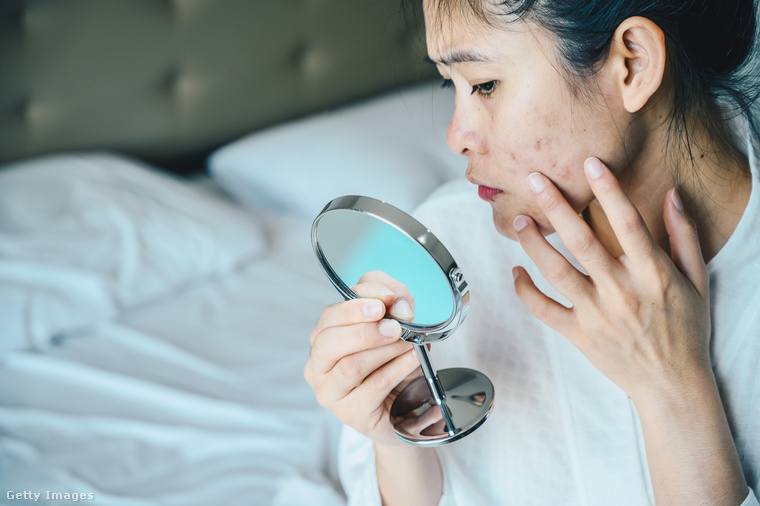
(354,235)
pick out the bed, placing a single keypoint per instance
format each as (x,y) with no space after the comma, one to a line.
(161,166)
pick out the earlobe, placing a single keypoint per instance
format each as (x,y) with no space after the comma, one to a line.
(637,54)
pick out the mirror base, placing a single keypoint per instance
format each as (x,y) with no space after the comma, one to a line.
(418,420)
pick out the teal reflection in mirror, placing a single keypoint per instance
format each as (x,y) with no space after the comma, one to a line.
(354,243)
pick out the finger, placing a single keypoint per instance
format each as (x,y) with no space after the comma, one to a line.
(685,249)
(575,286)
(629,227)
(547,310)
(575,233)
(416,373)
(375,290)
(334,343)
(353,370)
(370,395)
(347,313)
(403,305)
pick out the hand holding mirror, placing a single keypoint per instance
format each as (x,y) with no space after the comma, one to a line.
(354,235)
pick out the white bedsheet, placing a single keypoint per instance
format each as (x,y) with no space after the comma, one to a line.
(198,399)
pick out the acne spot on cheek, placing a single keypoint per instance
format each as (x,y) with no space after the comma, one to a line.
(564,174)
(540,144)
(513,156)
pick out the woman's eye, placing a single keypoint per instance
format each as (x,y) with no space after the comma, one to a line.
(447,83)
(484,88)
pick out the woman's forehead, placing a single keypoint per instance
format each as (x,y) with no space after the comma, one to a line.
(461,39)
(469,14)
(449,37)
(461,10)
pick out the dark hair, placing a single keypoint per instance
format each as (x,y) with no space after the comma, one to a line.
(709,44)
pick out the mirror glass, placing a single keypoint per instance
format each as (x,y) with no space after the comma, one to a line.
(354,243)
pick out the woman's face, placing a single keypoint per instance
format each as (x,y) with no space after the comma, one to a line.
(516,114)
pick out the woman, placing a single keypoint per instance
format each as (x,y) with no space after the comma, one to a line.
(619,111)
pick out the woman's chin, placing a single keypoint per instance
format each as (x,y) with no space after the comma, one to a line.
(504,225)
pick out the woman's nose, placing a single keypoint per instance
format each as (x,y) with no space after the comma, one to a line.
(463,136)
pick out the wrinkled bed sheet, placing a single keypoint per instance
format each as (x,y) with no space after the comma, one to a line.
(196,399)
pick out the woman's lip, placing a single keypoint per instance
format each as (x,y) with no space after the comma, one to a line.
(488,193)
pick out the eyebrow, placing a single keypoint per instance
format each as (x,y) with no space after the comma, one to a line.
(461,57)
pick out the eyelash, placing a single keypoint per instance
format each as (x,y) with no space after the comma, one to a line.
(483,89)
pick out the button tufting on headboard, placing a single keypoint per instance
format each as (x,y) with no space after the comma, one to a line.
(170,80)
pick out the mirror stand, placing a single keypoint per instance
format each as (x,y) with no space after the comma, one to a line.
(443,406)
(434,384)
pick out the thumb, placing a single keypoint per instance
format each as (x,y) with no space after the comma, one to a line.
(685,249)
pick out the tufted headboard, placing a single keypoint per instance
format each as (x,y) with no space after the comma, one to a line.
(170,80)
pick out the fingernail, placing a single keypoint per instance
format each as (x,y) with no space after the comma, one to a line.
(676,200)
(520,222)
(381,290)
(536,182)
(372,309)
(515,273)
(593,168)
(402,309)
(389,328)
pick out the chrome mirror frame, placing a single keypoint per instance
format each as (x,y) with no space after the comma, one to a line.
(414,230)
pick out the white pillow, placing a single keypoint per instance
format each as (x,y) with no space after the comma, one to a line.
(392,148)
(83,237)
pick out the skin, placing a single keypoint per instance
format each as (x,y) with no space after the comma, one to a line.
(641,315)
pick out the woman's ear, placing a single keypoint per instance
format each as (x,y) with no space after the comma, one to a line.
(637,61)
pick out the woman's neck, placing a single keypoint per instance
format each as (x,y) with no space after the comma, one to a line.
(714,186)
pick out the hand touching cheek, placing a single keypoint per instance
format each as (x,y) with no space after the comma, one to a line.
(642,318)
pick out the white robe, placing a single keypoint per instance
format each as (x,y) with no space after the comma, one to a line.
(561,433)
